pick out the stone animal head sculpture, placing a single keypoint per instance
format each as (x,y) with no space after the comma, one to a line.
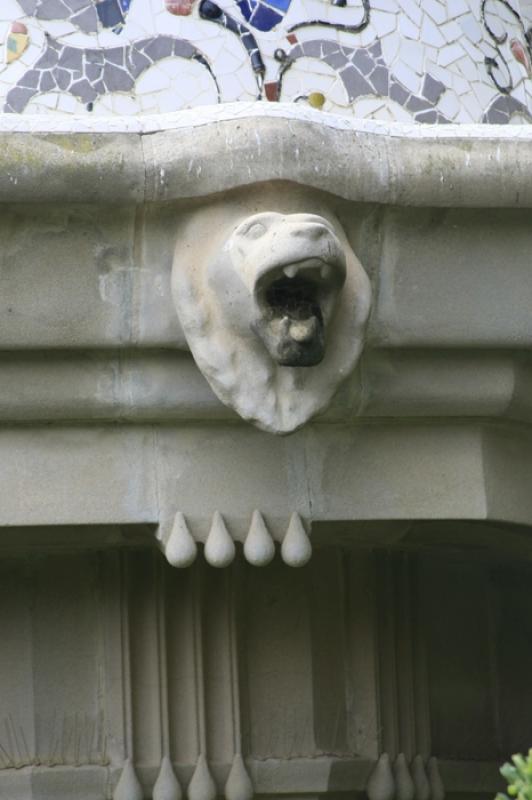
(275,315)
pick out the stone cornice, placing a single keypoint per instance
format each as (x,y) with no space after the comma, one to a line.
(205,151)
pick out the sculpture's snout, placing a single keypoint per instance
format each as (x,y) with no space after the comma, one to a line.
(308,227)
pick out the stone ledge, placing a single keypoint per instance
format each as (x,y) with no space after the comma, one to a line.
(192,154)
(161,386)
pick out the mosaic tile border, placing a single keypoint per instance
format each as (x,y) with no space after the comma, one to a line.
(209,115)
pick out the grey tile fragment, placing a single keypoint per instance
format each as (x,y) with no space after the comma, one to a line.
(53,9)
(355,83)
(28,6)
(432,89)
(328,48)
(30,79)
(416,103)
(375,51)
(99,87)
(116,79)
(379,79)
(496,117)
(17,99)
(503,107)
(337,60)
(138,62)
(429,117)
(71,58)
(47,82)
(84,91)
(77,5)
(115,55)
(86,21)
(363,61)
(93,71)
(312,49)
(158,48)
(93,56)
(81,13)
(184,49)
(50,57)
(63,78)
(398,93)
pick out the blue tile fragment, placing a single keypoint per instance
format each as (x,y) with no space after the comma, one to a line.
(264,16)
(112,13)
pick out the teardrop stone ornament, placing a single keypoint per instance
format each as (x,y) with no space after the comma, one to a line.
(421,782)
(238,786)
(180,549)
(259,548)
(128,787)
(381,785)
(437,788)
(403,779)
(201,786)
(296,549)
(167,786)
(219,547)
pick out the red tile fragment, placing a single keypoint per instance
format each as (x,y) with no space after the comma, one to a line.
(18,27)
(180,8)
(271,91)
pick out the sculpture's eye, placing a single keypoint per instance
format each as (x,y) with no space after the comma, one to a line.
(255,231)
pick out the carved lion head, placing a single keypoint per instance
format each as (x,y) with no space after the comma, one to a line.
(274,314)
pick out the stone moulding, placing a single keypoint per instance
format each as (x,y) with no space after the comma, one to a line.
(195,153)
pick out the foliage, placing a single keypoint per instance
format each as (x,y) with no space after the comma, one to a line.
(518,775)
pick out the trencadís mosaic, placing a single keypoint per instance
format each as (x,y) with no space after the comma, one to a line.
(408,60)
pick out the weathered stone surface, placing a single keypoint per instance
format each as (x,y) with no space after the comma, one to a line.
(204,152)
(411,493)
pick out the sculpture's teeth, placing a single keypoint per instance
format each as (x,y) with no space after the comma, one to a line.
(326,271)
(291,270)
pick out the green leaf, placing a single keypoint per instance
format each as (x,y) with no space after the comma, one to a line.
(509,772)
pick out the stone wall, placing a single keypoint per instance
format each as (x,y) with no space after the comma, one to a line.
(313,673)
(343,611)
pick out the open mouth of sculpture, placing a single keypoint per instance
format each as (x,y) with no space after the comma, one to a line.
(295,300)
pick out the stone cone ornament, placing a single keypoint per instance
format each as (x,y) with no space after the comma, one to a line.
(167,786)
(239,785)
(128,787)
(381,785)
(201,786)
(421,782)
(259,547)
(405,789)
(296,549)
(219,547)
(180,549)
(436,784)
